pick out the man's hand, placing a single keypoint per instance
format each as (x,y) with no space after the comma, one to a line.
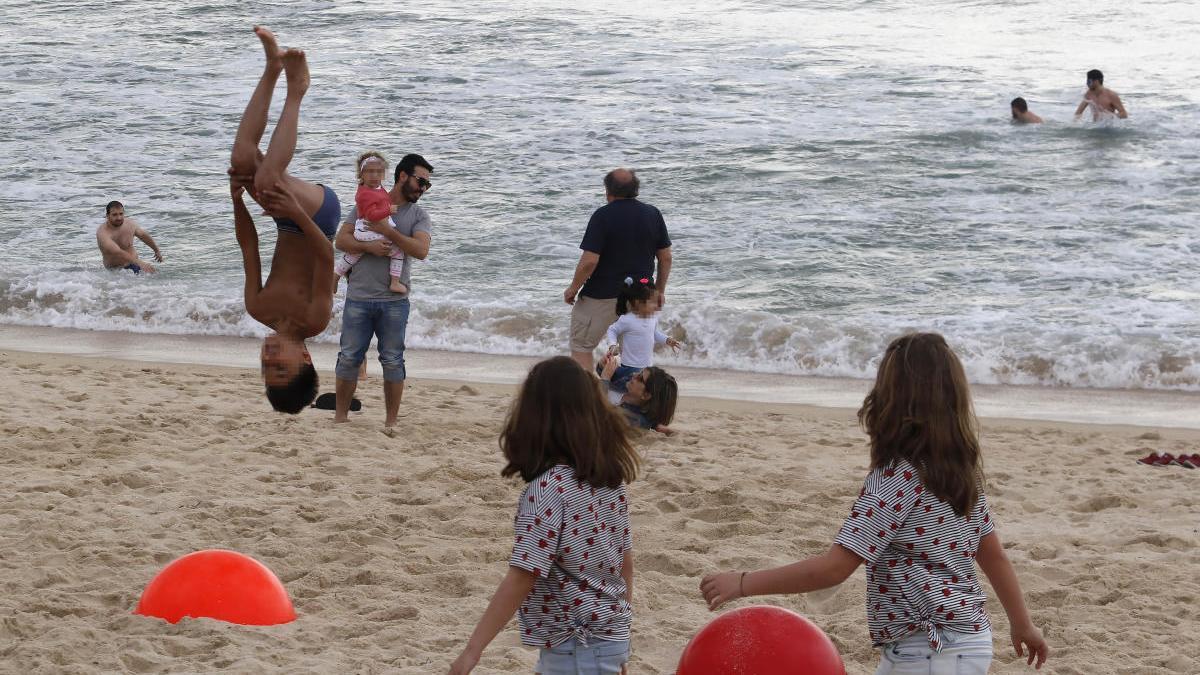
(380,226)
(158,256)
(379,247)
(662,299)
(146,267)
(279,201)
(569,294)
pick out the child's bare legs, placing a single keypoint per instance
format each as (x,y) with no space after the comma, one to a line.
(396,269)
(246,156)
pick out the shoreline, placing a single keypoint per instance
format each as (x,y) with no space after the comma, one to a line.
(1093,407)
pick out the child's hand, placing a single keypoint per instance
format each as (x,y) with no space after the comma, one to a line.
(464,663)
(719,589)
(395,208)
(609,366)
(1031,638)
(674,344)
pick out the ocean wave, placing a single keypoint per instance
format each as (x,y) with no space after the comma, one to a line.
(714,336)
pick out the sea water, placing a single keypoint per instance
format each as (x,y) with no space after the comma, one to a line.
(833,174)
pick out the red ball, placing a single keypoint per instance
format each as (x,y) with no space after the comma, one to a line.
(216,584)
(760,640)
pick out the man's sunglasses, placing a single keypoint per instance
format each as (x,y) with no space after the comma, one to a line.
(423,183)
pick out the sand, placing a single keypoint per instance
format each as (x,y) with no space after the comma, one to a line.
(391,543)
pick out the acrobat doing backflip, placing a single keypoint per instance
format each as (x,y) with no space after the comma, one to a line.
(296,301)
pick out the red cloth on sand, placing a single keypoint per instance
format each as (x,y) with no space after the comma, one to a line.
(373,203)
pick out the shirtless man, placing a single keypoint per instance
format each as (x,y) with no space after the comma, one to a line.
(296,301)
(1102,100)
(1020,112)
(115,238)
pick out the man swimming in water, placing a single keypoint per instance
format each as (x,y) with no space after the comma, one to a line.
(297,299)
(115,239)
(1103,101)
(1020,112)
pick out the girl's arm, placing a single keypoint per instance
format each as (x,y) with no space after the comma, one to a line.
(994,563)
(613,334)
(811,574)
(627,575)
(508,598)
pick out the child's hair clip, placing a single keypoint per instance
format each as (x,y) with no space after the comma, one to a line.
(644,280)
(628,281)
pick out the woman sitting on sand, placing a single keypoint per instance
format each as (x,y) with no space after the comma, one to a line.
(647,398)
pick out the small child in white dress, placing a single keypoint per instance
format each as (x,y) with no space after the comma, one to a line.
(635,333)
(373,205)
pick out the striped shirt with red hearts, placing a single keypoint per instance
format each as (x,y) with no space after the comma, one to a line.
(573,538)
(920,556)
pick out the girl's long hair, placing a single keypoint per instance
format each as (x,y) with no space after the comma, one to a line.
(561,416)
(664,393)
(920,410)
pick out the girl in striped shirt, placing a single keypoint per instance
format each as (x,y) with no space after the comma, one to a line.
(920,523)
(571,569)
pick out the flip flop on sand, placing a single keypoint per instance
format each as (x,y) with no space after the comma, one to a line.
(1151,459)
(328,401)
(1155,459)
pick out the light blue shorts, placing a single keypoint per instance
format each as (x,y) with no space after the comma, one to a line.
(962,654)
(601,657)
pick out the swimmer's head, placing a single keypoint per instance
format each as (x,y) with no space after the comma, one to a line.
(288,372)
(1019,107)
(370,168)
(1095,79)
(114,213)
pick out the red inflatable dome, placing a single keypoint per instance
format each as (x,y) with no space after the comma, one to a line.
(760,640)
(217,584)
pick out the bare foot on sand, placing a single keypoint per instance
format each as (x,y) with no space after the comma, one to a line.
(271,47)
(296,68)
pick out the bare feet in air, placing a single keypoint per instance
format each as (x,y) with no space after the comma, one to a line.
(295,65)
(397,287)
(271,47)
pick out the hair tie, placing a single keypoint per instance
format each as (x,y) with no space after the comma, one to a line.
(644,280)
(628,281)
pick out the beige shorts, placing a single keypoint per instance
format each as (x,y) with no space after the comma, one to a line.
(590,318)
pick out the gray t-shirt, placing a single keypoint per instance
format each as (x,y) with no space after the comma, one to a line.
(370,278)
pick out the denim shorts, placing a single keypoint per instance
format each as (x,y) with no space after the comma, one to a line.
(601,657)
(362,319)
(962,654)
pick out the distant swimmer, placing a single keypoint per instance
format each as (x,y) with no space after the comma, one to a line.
(1102,100)
(1020,112)
(115,239)
(296,300)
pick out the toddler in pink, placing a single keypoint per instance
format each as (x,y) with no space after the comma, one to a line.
(373,205)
